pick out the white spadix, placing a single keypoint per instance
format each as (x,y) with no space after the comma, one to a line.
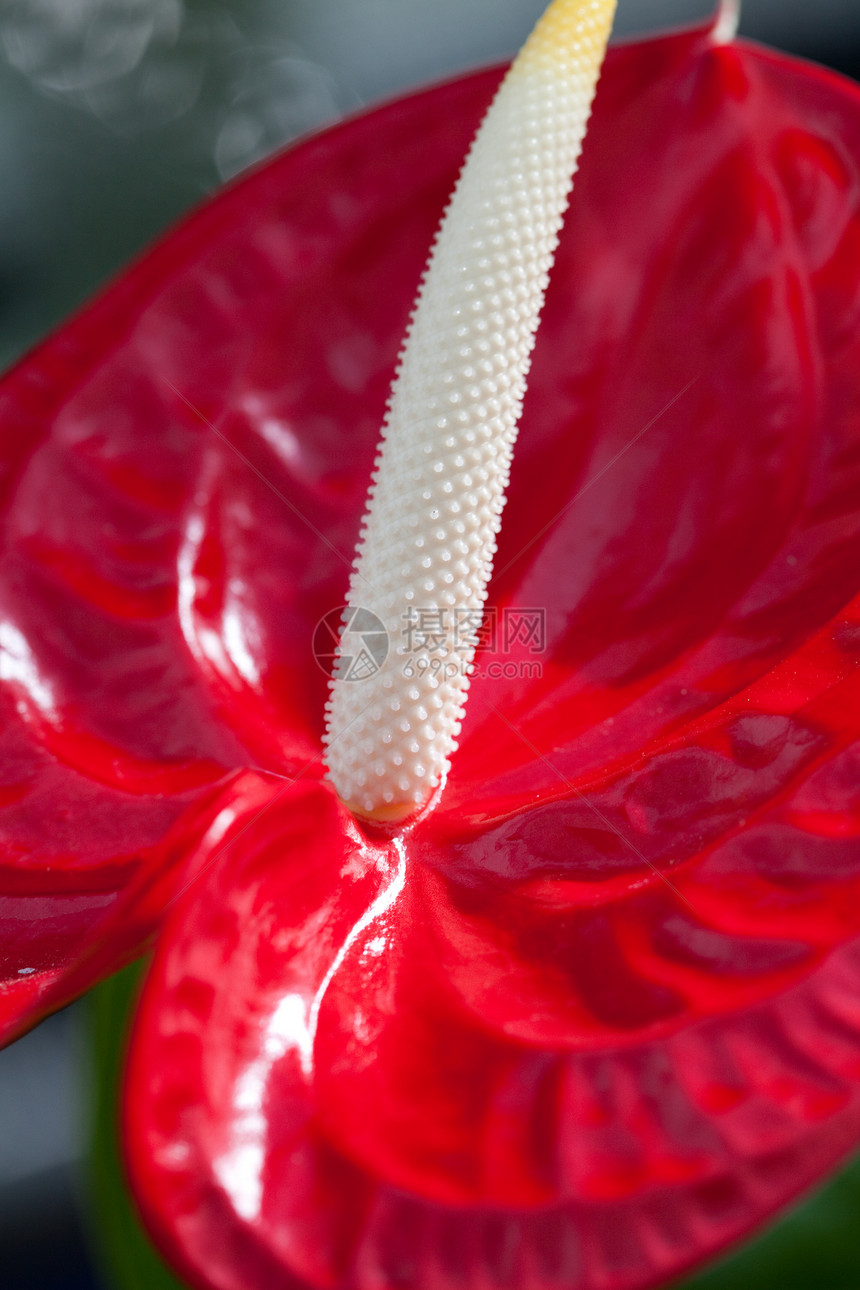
(434,507)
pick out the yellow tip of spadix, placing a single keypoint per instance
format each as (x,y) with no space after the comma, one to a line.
(571,35)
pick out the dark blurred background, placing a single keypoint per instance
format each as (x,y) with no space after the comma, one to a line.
(116,116)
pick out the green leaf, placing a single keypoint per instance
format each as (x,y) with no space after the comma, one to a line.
(814,1246)
(128,1258)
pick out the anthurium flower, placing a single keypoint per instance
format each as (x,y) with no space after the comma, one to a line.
(596,1013)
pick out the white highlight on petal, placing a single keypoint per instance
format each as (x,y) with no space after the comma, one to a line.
(375,914)
(230,644)
(234,626)
(291,1028)
(240,1168)
(434,509)
(19,667)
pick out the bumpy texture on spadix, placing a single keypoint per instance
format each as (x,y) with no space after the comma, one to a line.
(429,534)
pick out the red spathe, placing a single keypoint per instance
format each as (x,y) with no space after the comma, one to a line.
(598,1013)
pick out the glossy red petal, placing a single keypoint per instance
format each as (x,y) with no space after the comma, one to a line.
(182,474)
(309,1102)
(557,1041)
(69,847)
(605,1022)
(684,504)
(131,624)
(74,937)
(223,1130)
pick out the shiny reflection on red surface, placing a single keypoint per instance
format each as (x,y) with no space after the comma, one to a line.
(596,1014)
